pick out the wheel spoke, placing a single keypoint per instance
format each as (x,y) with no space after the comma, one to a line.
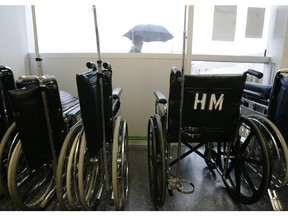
(251,161)
(247,177)
(245,143)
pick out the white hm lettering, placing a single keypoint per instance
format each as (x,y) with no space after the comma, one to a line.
(214,103)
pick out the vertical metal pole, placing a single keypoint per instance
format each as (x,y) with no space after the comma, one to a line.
(182,94)
(184,40)
(99,62)
(38,57)
(97,33)
(49,129)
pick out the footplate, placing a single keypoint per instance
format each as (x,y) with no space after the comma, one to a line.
(279,198)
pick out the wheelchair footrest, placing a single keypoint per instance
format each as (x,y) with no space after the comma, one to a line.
(279,198)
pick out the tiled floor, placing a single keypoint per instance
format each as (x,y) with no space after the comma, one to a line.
(209,195)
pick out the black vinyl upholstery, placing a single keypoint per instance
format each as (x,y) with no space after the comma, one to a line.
(211,107)
(7,83)
(88,91)
(28,112)
(278,107)
(108,104)
(257,92)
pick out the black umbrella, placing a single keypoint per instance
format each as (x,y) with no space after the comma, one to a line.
(149,33)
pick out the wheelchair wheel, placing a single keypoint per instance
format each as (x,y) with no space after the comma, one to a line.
(28,188)
(156,161)
(277,148)
(245,164)
(90,180)
(61,187)
(120,163)
(9,140)
(72,173)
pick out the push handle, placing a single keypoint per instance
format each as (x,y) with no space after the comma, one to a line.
(28,78)
(107,65)
(255,73)
(91,65)
(46,79)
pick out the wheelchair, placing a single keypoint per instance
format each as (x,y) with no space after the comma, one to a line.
(93,161)
(41,122)
(7,83)
(203,115)
(267,106)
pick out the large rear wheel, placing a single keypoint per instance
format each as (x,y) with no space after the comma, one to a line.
(120,172)
(277,148)
(245,164)
(28,188)
(61,174)
(156,161)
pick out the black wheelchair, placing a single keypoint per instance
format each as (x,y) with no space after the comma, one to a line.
(267,106)
(42,117)
(7,83)
(203,115)
(94,158)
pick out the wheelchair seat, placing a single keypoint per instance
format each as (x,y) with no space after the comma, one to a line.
(67,100)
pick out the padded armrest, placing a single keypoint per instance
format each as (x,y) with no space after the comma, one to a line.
(116,93)
(257,90)
(253,94)
(160,98)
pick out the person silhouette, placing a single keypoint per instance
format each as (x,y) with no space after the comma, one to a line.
(137,43)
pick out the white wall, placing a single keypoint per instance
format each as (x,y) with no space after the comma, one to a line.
(13,39)
(138,76)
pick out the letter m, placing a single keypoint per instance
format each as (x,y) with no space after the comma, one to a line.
(216,103)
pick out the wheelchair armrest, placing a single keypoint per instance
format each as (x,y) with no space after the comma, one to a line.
(160,98)
(257,90)
(255,73)
(116,93)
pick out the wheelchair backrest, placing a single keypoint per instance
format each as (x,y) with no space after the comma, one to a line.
(89,86)
(278,107)
(28,107)
(7,82)
(211,106)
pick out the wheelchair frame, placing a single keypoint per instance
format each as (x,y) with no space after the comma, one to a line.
(231,159)
(93,147)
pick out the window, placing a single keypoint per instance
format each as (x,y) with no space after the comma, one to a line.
(205,19)
(70,27)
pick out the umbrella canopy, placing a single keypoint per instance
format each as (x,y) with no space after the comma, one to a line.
(149,33)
